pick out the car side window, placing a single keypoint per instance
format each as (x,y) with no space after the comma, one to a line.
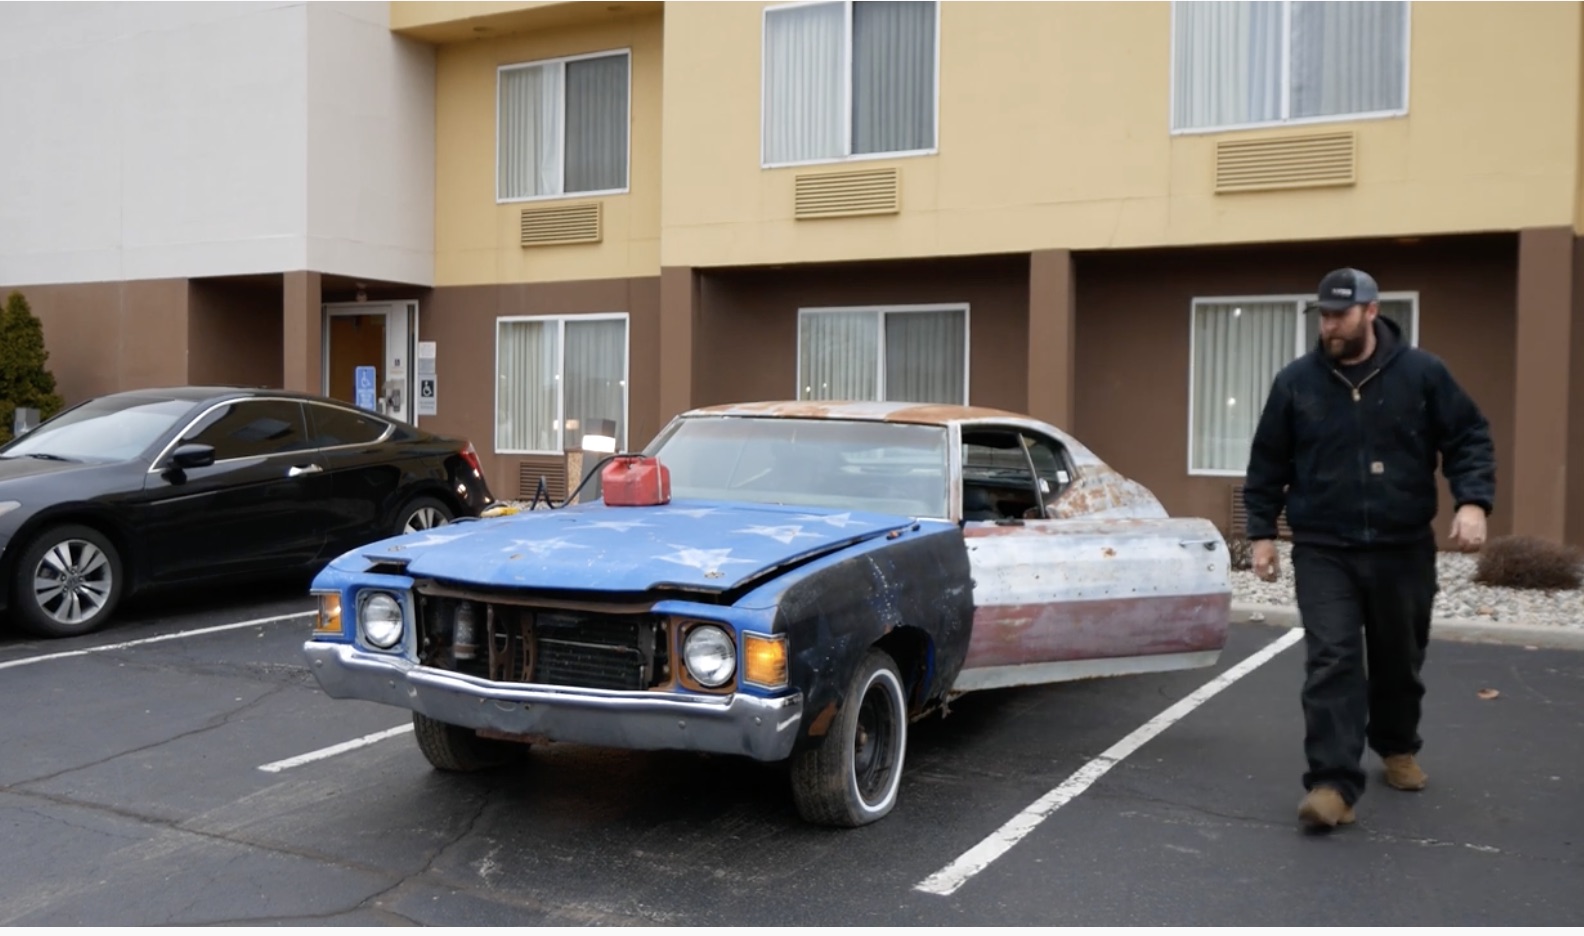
(330,426)
(252,428)
(1051,465)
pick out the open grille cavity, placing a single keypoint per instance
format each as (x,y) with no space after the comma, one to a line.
(512,643)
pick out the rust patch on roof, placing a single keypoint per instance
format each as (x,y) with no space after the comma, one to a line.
(922,413)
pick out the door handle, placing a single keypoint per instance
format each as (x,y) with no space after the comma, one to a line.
(1209,544)
(297,470)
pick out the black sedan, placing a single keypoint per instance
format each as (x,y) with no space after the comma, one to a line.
(203,484)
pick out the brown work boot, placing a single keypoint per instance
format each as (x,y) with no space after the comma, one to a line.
(1325,807)
(1403,773)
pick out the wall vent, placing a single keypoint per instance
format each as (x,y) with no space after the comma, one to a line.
(561,224)
(847,194)
(1307,161)
(1238,528)
(550,467)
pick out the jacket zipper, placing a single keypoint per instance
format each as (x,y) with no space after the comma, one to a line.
(1364,454)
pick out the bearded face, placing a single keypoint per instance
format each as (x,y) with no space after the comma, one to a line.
(1346,333)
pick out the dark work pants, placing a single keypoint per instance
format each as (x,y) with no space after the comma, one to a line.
(1366,619)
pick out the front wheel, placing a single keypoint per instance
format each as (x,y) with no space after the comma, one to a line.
(851,779)
(68,582)
(453,748)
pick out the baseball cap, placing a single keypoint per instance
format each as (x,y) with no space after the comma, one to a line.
(1341,289)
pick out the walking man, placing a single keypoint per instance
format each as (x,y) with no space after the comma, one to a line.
(1348,444)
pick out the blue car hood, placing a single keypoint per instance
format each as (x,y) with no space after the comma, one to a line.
(685,544)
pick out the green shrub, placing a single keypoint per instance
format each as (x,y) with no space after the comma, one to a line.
(1529,562)
(25,378)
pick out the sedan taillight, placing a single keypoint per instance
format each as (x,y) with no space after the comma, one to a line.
(470,455)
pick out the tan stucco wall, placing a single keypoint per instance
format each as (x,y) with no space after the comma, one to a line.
(476,239)
(1080,155)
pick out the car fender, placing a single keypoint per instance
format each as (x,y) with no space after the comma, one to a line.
(913,581)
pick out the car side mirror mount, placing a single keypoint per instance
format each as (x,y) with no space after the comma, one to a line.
(193,455)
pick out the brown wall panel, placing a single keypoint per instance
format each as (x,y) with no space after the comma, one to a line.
(461,321)
(234,333)
(1133,347)
(746,337)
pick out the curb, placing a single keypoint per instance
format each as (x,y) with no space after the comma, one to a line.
(1463,630)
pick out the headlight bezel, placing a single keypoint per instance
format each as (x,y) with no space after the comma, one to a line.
(366,598)
(726,639)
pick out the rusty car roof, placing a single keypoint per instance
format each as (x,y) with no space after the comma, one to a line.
(939,414)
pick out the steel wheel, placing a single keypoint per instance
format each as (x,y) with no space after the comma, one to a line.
(852,777)
(68,582)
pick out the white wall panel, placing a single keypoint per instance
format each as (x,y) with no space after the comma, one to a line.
(147,140)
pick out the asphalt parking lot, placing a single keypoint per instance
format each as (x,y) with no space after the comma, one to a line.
(131,793)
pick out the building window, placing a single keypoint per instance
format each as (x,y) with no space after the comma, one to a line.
(561,127)
(1237,346)
(912,354)
(557,378)
(1255,62)
(849,79)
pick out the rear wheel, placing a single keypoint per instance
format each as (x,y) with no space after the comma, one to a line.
(68,581)
(852,778)
(422,513)
(453,748)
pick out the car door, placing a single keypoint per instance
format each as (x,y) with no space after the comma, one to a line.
(363,470)
(259,507)
(1060,593)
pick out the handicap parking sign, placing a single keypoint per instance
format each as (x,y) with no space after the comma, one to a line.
(364,382)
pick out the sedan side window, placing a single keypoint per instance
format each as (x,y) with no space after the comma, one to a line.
(1051,464)
(333,426)
(252,428)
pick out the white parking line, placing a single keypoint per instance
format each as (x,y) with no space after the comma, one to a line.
(27,661)
(976,859)
(335,749)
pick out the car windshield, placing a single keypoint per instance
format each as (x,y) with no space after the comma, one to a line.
(107,430)
(857,465)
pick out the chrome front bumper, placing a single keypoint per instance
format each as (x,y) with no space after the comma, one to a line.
(763,729)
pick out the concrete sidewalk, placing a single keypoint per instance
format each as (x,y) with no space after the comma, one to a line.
(1467,630)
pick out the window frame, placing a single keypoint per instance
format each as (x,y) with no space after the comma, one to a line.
(501,70)
(1300,348)
(847,92)
(561,320)
(1286,83)
(881,311)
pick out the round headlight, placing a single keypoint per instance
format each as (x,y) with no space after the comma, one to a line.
(710,655)
(382,621)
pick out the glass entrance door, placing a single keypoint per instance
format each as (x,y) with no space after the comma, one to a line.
(367,355)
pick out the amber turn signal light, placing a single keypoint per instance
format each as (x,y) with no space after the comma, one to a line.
(765,661)
(329,619)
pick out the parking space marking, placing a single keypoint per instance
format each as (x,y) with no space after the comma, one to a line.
(335,749)
(947,880)
(26,661)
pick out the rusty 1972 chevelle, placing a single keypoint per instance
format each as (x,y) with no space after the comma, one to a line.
(821,576)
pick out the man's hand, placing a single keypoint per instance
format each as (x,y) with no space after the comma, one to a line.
(1265,560)
(1468,528)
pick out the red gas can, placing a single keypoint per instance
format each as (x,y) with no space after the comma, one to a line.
(635,481)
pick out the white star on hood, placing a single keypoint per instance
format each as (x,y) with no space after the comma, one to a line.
(840,521)
(694,512)
(707,561)
(783,534)
(619,525)
(542,547)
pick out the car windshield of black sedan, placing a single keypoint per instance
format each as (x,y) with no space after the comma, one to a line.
(848,465)
(108,430)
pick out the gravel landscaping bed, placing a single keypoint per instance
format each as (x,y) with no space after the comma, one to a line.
(1459,597)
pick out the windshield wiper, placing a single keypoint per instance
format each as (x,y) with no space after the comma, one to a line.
(49,457)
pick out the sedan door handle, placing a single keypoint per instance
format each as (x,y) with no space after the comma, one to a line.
(296,470)
(1206,543)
